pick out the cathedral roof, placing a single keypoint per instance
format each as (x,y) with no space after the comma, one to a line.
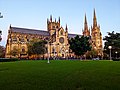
(34,31)
(30,31)
(72,35)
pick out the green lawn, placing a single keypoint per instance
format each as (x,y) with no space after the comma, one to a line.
(60,75)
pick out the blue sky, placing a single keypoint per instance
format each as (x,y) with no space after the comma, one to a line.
(34,13)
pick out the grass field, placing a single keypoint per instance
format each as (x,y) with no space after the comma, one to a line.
(60,75)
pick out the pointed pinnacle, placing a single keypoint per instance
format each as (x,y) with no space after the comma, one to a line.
(85,19)
(66,28)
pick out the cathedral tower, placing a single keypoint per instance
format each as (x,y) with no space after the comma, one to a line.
(96,36)
(58,38)
(52,25)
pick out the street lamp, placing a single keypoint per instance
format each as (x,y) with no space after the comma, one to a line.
(116,54)
(48,61)
(66,54)
(10,46)
(110,47)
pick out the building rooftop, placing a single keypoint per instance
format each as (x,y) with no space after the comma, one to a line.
(30,31)
(34,31)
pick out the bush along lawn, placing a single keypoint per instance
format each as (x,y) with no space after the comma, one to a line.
(60,75)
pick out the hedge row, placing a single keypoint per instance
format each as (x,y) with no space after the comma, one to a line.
(116,59)
(8,59)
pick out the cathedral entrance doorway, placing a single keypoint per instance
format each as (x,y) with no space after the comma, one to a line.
(62,51)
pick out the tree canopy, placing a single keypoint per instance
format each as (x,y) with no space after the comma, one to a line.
(37,47)
(80,45)
(2,51)
(113,39)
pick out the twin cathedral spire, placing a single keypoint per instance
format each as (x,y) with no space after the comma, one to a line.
(95,34)
(86,30)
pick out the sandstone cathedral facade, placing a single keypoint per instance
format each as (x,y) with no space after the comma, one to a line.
(58,37)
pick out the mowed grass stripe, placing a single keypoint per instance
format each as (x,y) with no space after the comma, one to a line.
(60,75)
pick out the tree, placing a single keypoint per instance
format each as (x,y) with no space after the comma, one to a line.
(30,46)
(80,45)
(2,51)
(113,39)
(91,54)
(37,47)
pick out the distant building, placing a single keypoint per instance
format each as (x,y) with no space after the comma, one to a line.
(58,36)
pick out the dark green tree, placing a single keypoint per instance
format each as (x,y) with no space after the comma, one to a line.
(30,46)
(91,54)
(113,39)
(2,51)
(80,45)
(37,47)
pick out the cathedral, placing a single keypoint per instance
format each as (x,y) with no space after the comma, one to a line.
(57,37)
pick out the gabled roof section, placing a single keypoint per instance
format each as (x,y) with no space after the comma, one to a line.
(73,35)
(29,31)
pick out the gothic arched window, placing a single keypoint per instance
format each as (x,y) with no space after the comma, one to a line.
(23,50)
(61,32)
(14,39)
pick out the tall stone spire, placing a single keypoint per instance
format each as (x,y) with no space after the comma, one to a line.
(96,36)
(94,19)
(86,32)
(85,24)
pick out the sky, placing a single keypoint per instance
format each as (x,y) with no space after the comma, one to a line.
(33,14)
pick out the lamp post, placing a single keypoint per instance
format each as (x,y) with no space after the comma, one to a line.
(10,46)
(110,47)
(48,61)
(116,54)
(66,54)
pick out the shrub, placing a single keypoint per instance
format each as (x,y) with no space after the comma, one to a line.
(116,59)
(8,59)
